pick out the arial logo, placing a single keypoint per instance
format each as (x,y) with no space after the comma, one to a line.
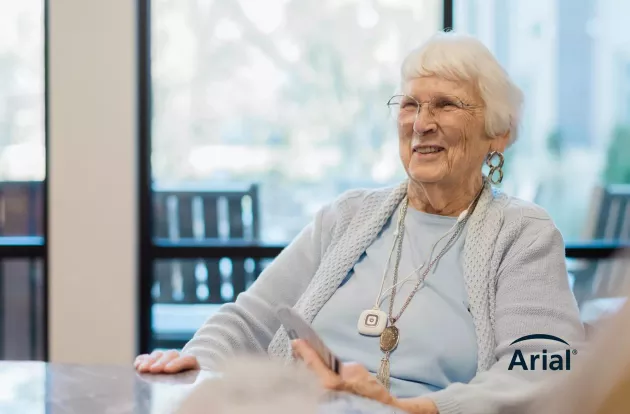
(553,362)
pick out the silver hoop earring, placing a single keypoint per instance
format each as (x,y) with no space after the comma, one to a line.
(495,167)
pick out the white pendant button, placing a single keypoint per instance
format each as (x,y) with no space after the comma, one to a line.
(372,322)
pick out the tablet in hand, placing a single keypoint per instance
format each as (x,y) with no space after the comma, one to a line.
(298,328)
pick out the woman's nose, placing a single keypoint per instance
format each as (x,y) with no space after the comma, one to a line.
(424,123)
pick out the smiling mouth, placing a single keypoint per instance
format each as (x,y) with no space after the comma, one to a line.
(427,149)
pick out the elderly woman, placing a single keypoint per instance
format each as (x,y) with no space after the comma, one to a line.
(456,270)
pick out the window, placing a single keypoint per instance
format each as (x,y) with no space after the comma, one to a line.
(22,175)
(571,59)
(262,112)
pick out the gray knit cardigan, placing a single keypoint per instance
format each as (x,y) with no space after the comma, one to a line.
(515,274)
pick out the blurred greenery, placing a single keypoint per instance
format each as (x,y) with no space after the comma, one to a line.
(554,144)
(617,169)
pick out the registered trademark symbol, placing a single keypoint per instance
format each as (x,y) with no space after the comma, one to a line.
(574,352)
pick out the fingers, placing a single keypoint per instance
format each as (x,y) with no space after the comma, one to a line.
(143,362)
(169,362)
(163,360)
(302,350)
(353,378)
(182,363)
(139,360)
(352,371)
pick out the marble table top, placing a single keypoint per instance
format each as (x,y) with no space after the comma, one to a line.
(43,388)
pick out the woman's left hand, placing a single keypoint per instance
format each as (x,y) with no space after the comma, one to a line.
(352,378)
(355,379)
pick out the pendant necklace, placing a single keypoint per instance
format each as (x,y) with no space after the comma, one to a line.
(390,336)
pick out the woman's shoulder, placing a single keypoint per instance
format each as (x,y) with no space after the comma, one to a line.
(518,209)
(350,201)
(525,223)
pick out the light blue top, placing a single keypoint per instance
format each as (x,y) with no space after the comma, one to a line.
(438,344)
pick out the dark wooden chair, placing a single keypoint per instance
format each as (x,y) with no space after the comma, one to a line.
(609,221)
(203,215)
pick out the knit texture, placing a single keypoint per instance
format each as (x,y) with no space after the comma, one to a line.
(514,270)
(366,224)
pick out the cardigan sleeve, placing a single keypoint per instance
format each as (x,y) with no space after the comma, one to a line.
(248,324)
(533,296)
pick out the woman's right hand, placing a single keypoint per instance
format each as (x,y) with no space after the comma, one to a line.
(169,362)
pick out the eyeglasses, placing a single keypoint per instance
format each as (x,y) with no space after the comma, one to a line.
(406,109)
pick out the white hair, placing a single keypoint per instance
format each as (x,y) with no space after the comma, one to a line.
(461,57)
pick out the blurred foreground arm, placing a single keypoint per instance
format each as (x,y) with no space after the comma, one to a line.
(601,384)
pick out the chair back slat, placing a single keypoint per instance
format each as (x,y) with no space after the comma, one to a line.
(239,275)
(160,215)
(235,209)
(162,290)
(252,271)
(214,281)
(223,218)
(210,216)
(185,215)
(188,282)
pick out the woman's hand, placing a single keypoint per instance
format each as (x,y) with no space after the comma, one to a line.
(352,377)
(355,379)
(169,362)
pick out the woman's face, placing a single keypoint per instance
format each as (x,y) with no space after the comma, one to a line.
(446,142)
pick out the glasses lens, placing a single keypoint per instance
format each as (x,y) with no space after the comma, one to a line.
(394,107)
(408,109)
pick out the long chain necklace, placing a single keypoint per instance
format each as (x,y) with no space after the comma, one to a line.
(391,336)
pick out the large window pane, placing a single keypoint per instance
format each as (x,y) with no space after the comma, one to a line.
(282,102)
(22,156)
(262,112)
(572,60)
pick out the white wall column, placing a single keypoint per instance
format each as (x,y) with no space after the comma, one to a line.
(92,181)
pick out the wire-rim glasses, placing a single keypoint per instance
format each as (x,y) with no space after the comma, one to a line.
(406,109)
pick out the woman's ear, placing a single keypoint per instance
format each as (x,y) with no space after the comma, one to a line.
(500,142)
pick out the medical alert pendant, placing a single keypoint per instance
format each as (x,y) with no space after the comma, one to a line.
(389,339)
(372,322)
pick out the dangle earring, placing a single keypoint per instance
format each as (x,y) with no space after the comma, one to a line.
(495,166)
